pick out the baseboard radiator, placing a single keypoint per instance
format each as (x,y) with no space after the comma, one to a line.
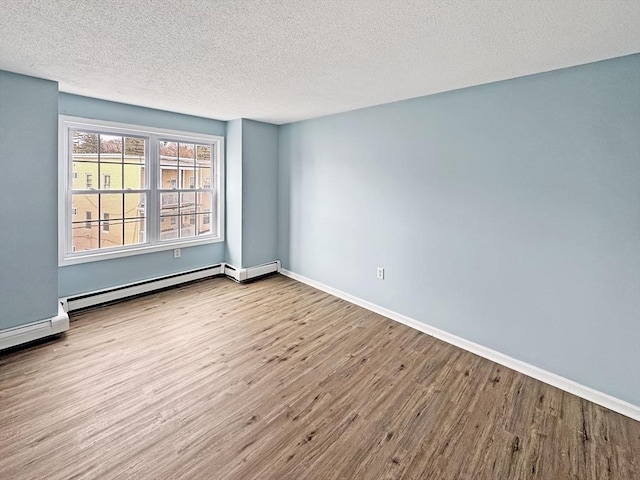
(244,274)
(36,330)
(58,324)
(109,295)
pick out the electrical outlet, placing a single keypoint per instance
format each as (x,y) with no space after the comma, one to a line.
(380,273)
(176,253)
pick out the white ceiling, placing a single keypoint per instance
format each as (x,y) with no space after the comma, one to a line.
(284,60)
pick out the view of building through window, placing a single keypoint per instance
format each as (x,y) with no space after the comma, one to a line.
(131,189)
(185,168)
(120,162)
(104,214)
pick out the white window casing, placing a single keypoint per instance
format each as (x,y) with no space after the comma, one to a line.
(150,237)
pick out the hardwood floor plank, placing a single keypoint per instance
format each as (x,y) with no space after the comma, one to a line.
(276,380)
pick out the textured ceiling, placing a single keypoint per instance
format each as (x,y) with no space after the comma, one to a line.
(285,60)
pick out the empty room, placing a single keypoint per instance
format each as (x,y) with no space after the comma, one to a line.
(320,239)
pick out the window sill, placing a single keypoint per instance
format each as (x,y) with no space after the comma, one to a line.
(138,250)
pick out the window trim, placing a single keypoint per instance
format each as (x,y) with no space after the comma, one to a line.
(65,171)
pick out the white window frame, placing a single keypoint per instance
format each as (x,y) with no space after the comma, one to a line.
(151,240)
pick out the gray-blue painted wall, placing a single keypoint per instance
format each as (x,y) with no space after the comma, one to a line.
(28,199)
(87,277)
(507,214)
(233,192)
(259,193)
(252,193)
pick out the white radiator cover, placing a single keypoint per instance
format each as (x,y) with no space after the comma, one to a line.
(33,331)
(110,294)
(116,293)
(243,274)
(58,324)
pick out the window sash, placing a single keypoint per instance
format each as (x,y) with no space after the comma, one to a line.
(151,239)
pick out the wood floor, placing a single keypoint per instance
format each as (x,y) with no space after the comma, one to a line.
(277,380)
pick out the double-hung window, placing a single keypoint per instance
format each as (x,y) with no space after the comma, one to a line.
(160,189)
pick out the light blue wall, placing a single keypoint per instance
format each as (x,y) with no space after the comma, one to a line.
(120,112)
(507,214)
(28,199)
(233,217)
(259,193)
(252,193)
(88,277)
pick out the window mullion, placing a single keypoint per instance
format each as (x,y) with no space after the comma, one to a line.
(179,185)
(153,209)
(96,184)
(99,218)
(122,157)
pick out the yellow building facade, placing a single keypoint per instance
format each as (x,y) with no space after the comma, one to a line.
(109,199)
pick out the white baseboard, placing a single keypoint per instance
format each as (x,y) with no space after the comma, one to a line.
(60,323)
(243,274)
(110,294)
(33,331)
(588,393)
(98,297)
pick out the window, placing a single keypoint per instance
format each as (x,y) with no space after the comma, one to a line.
(159,189)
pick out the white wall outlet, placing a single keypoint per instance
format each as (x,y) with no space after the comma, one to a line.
(380,273)
(177,253)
